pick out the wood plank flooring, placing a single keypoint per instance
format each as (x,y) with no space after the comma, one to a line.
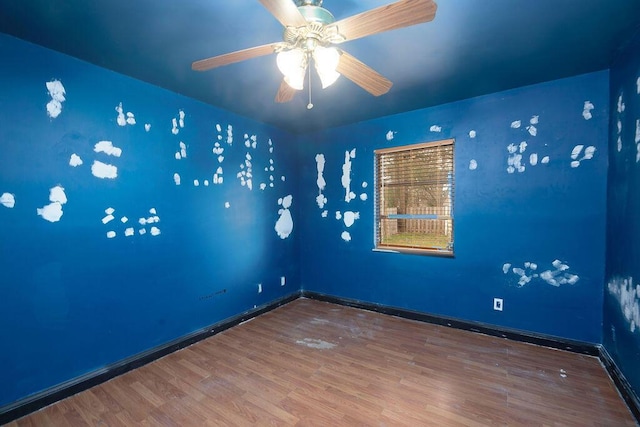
(315,363)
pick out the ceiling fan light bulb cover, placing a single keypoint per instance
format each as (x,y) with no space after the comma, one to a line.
(296,80)
(291,61)
(292,64)
(326,60)
(328,78)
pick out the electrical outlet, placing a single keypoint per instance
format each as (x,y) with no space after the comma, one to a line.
(497,304)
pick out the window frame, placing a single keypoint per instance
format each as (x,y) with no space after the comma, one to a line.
(431,251)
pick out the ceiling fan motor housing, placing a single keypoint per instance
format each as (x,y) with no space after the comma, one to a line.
(317,32)
(312,11)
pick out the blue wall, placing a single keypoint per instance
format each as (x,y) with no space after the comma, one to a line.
(550,216)
(74,300)
(621,328)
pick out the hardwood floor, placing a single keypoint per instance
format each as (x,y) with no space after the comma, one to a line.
(315,363)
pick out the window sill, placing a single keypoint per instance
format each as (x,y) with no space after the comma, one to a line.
(414,251)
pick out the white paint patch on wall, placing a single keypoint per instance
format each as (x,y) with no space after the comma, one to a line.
(350,217)
(320,162)
(108,148)
(57,94)
(229,134)
(56,194)
(473,164)
(533,130)
(533,159)
(218,150)
(317,344)
(557,276)
(638,84)
(122,119)
(75,160)
(129,231)
(472,134)
(619,125)
(321,200)
(251,141)
(346,175)
(183,151)
(284,224)
(586,112)
(514,160)
(587,154)
(147,127)
(177,123)
(390,135)
(8,200)
(364,197)
(346,236)
(217,177)
(637,141)
(176,178)
(53,211)
(103,170)
(283,280)
(628,296)
(516,124)
(621,106)
(227,205)
(435,128)
(246,173)
(545,160)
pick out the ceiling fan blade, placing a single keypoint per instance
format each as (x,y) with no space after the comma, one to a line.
(403,13)
(363,75)
(237,56)
(285,93)
(286,12)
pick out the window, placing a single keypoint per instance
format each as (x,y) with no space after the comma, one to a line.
(414,198)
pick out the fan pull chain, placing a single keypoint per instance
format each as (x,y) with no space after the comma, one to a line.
(310,104)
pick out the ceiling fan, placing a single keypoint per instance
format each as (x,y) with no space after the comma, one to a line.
(311,33)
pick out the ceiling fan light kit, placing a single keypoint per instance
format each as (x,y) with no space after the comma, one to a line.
(292,64)
(312,33)
(326,60)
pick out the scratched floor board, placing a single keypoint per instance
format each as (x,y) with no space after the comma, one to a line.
(314,363)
